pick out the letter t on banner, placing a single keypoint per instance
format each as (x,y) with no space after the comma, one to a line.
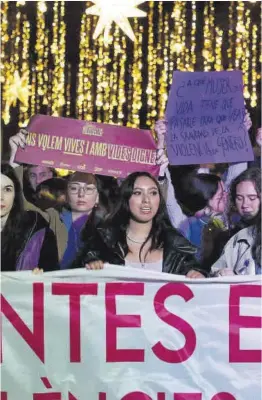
(237,321)
(114,321)
(75,291)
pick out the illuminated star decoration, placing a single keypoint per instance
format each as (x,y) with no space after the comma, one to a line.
(117,11)
(16,89)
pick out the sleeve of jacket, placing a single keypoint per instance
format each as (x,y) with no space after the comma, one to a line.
(48,260)
(179,255)
(94,249)
(188,263)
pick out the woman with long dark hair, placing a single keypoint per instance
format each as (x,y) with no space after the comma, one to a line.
(26,241)
(139,234)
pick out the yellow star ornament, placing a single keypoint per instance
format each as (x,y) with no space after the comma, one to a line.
(16,88)
(117,11)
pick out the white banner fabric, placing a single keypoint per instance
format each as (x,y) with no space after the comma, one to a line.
(123,334)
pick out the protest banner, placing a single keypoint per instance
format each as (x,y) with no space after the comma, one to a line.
(123,334)
(205,113)
(87,146)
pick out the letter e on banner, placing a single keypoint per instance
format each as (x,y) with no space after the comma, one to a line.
(223,396)
(35,338)
(74,291)
(164,354)
(237,321)
(114,321)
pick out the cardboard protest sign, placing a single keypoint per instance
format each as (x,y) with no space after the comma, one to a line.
(87,146)
(128,334)
(205,113)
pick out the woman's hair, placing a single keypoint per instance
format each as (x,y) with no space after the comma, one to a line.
(108,191)
(197,189)
(119,219)
(12,234)
(249,175)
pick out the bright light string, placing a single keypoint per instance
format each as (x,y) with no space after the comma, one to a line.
(114,76)
(193,38)
(230,50)
(12,68)
(218,51)
(58,52)
(253,97)
(246,54)
(209,24)
(163,81)
(41,46)
(24,115)
(136,88)
(121,83)
(240,30)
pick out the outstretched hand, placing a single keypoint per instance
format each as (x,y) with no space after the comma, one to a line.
(18,140)
(161,130)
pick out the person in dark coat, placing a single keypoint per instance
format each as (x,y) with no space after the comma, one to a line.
(139,234)
(26,240)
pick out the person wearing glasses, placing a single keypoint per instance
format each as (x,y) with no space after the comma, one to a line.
(84,199)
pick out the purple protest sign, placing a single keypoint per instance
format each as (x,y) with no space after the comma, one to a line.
(205,114)
(87,146)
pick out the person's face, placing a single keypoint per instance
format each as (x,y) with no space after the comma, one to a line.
(82,197)
(259,137)
(145,200)
(7,195)
(218,201)
(247,199)
(38,174)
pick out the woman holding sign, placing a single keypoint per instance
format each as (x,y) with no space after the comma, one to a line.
(84,196)
(138,234)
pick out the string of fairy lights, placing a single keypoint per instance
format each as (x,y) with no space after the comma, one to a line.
(118,80)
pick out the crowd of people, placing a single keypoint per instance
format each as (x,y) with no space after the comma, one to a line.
(198,221)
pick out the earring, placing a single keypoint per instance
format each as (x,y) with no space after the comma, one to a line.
(207,210)
(96,205)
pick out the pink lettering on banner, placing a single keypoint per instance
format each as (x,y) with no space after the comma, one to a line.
(223,396)
(188,396)
(136,396)
(34,338)
(50,395)
(75,291)
(164,354)
(3,396)
(114,321)
(237,321)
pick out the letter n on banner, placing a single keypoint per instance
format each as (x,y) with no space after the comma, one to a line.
(35,338)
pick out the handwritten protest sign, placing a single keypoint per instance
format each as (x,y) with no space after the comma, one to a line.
(205,114)
(87,146)
(124,334)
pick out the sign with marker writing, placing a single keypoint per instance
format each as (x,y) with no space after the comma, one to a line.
(88,146)
(205,114)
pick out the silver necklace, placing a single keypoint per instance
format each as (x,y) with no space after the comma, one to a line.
(135,241)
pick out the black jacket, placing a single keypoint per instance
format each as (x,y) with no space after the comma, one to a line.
(178,257)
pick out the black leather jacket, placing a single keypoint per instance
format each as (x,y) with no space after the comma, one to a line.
(178,257)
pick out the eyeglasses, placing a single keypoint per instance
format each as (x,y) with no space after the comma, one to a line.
(75,189)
